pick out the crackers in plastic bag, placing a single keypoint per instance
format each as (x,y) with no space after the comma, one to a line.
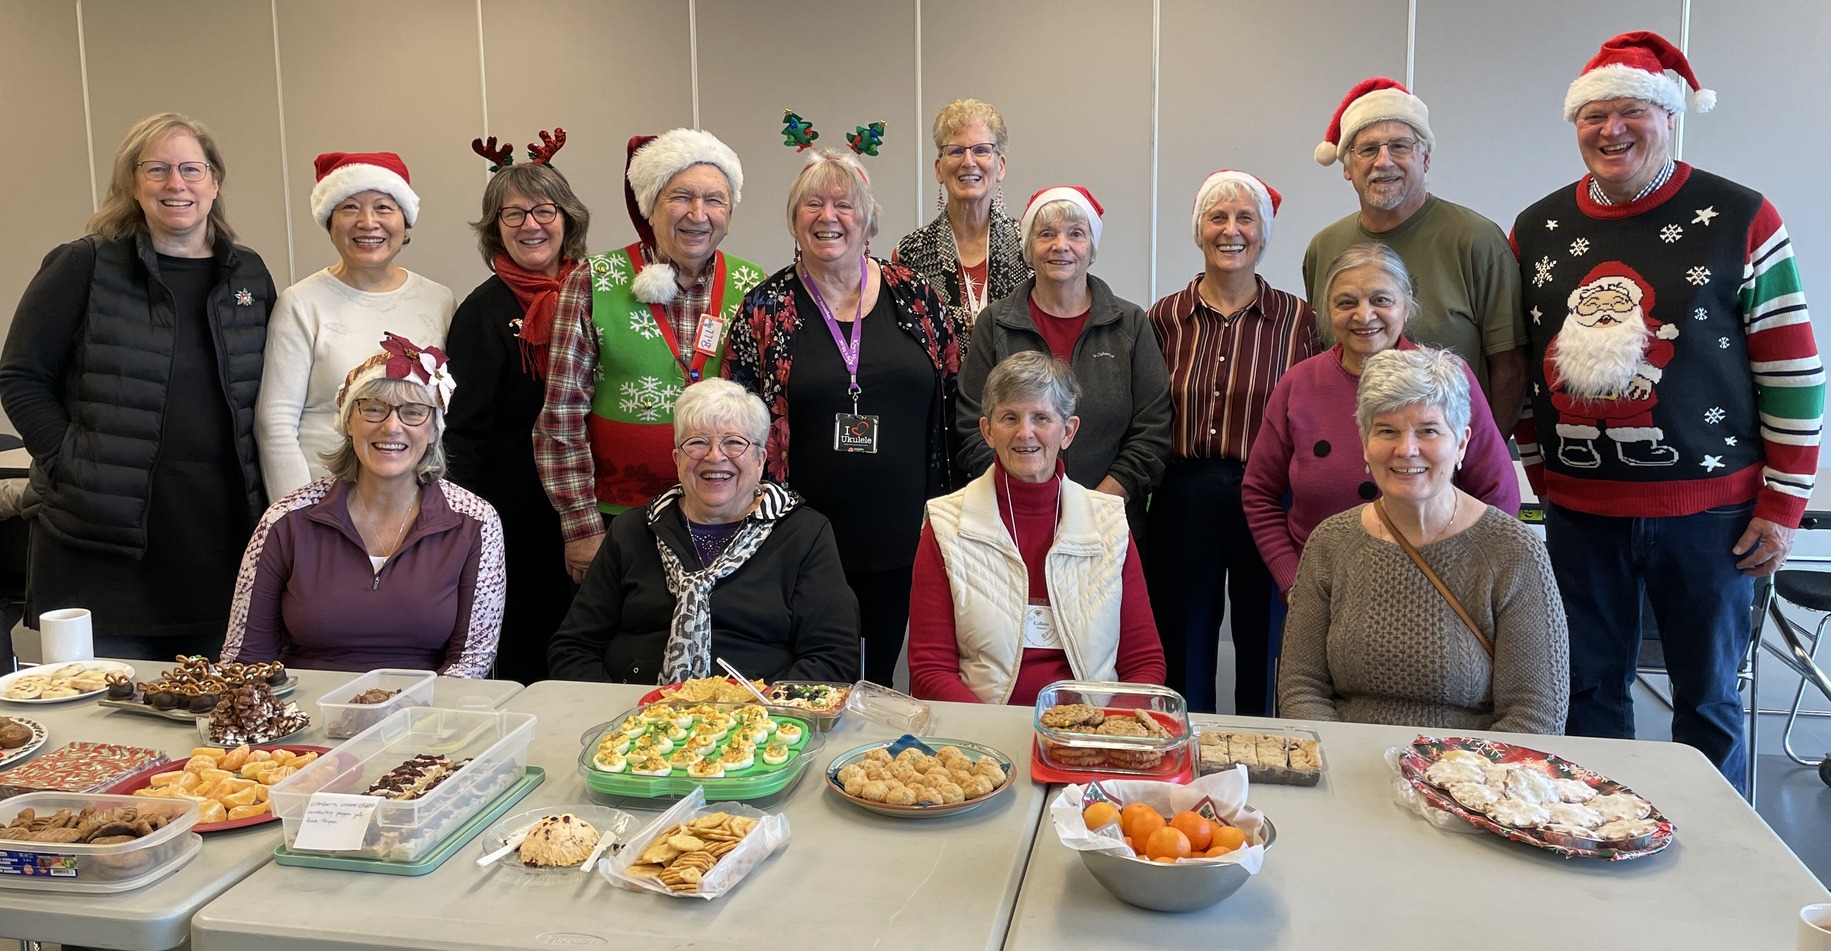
(695,850)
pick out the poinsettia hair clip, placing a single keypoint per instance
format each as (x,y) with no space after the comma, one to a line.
(402,359)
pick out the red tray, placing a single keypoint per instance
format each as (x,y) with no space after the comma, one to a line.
(144,778)
(1044,773)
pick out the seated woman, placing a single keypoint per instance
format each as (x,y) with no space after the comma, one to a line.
(1369,637)
(718,566)
(1026,577)
(382,563)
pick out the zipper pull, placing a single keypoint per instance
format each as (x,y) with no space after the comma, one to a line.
(376,586)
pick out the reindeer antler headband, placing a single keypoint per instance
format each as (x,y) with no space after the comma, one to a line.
(539,153)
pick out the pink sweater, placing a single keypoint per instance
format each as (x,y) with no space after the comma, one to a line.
(1310,449)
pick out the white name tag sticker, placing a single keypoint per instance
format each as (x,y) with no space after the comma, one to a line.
(711,334)
(334,824)
(1039,628)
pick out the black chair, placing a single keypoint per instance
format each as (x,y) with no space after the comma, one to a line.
(1810,590)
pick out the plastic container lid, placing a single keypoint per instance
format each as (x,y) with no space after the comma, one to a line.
(894,709)
(342,718)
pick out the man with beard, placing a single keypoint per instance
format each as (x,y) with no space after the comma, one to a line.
(1680,394)
(1467,281)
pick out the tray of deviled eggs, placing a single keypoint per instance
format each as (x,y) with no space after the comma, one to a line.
(664,750)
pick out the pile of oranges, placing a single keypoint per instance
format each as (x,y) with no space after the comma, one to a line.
(1151,836)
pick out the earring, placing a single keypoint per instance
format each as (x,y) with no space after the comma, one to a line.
(797,255)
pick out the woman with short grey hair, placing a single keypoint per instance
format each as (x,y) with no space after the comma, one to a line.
(1426,606)
(1025,577)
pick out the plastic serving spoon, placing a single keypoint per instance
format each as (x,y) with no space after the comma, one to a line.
(604,843)
(514,842)
(744,681)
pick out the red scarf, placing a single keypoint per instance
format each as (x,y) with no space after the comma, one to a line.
(538,295)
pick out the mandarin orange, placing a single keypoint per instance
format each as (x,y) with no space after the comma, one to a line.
(1167,844)
(1230,836)
(1099,815)
(1197,827)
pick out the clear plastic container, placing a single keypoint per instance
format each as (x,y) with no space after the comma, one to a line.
(115,867)
(824,718)
(1272,754)
(495,742)
(1072,746)
(343,719)
(894,709)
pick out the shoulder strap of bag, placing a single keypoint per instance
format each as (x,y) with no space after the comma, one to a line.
(1417,559)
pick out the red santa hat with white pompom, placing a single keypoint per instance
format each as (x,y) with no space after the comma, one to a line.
(1639,65)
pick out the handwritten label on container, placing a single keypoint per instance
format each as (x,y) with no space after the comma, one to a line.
(334,823)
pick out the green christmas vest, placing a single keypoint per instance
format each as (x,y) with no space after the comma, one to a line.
(637,380)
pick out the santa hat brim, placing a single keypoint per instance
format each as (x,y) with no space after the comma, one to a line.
(1617,81)
(1068,194)
(348,180)
(1261,196)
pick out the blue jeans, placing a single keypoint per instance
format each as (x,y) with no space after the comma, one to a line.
(1700,601)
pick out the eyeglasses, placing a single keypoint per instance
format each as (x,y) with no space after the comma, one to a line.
(160,171)
(513,217)
(982,151)
(1400,148)
(731,447)
(376,411)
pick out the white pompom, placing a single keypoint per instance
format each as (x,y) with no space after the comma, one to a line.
(1326,154)
(1704,100)
(654,284)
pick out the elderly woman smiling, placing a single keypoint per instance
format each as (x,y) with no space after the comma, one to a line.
(1426,607)
(721,565)
(1025,577)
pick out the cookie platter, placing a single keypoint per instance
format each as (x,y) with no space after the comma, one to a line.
(1532,797)
(664,750)
(899,779)
(61,683)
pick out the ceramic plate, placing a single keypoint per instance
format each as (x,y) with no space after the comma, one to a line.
(928,745)
(106,666)
(31,746)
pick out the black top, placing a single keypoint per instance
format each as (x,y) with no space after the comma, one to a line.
(874,499)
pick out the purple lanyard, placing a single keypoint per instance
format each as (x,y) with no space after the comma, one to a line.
(848,352)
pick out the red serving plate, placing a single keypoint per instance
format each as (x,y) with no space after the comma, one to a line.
(654,696)
(1179,769)
(144,778)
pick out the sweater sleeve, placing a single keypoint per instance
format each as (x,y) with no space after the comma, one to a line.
(256,630)
(823,615)
(285,378)
(1789,377)
(45,330)
(975,455)
(1145,450)
(577,650)
(1140,659)
(1531,641)
(479,362)
(1267,482)
(562,443)
(482,589)
(934,646)
(1487,468)
(1305,689)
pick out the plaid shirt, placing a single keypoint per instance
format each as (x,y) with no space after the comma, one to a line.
(562,444)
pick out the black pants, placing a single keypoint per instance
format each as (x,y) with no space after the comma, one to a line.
(883,608)
(1200,542)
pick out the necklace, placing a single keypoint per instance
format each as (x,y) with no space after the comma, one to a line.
(400,533)
(1455,509)
(974,301)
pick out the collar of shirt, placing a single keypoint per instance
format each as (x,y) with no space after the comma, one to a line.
(1256,307)
(1665,174)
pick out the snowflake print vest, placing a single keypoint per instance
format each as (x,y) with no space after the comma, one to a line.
(638,379)
(1683,434)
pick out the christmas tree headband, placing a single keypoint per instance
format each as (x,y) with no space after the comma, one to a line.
(799,134)
(503,156)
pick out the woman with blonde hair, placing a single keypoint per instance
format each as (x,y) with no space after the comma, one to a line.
(131,371)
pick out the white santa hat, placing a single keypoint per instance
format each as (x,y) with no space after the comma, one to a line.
(1372,100)
(1637,66)
(1074,194)
(653,159)
(1265,196)
(342,174)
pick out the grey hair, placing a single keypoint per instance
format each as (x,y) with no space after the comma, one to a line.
(1394,379)
(1054,212)
(1371,254)
(707,404)
(836,171)
(342,461)
(1031,375)
(1228,190)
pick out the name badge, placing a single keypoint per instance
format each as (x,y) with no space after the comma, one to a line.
(711,334)
(854,433)
(1039,628)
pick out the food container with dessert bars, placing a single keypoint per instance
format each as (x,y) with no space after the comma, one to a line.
(342,718)
(1270,758)
(1064,748)
(495,742)
(97,869)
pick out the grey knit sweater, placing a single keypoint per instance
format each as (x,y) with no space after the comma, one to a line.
(1369,640)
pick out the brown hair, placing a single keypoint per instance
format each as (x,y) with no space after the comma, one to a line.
(542,183)
(121,215)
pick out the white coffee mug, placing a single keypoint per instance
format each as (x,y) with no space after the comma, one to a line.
(1815,927)
(65,635)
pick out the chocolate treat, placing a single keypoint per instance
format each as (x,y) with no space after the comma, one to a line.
(374,695)
(204,702)
(162,698)
(251,714)
(120,687)
(276,673)
(13,734)
(415,778)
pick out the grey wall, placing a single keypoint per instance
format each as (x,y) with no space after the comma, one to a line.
(1137,99)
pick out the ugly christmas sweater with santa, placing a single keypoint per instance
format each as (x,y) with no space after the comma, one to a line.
(1673,363)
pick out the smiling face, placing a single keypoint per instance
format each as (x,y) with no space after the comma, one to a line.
(533,246)
(1028,434)
(1625,142)
(391,450)
(1367,311)
(1062,250)
(1386,182)
(829,227)
(718,488)
(177,212)
(970,179)
(368,230)
(691,216)
(1412,452)
(1233,237)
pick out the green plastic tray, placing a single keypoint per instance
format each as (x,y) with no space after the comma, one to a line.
(459,837)
(755,783)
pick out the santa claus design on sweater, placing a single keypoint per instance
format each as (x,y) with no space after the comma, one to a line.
(1603,368)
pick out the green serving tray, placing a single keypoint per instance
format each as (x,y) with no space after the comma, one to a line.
(459,837)
(754,783)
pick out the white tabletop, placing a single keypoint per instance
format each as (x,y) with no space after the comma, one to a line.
(158,916)
(1351,869)
(844,877)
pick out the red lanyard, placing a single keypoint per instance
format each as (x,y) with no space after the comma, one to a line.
(696,369)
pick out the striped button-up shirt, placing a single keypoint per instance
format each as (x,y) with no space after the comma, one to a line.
(1223,366)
